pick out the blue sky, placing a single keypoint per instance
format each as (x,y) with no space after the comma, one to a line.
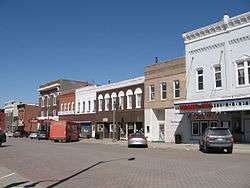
(42,40)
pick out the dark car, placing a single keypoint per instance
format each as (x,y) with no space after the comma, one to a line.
(137,139)
(42,135)
(216,138)
(2,137)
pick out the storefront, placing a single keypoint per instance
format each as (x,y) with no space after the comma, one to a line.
(231,113)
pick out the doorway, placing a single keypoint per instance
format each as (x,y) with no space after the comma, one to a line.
(161,133)
(247,130)
(236,129)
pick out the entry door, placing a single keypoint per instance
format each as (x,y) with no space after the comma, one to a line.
(236,129)
(161,133)
(247,130)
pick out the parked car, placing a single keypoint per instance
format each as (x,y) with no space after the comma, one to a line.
(9,134)
(17,134)
(2,137)
(216,138)
(137,139)
(42,135)
(33,136)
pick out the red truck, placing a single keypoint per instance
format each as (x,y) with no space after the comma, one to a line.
(64,131)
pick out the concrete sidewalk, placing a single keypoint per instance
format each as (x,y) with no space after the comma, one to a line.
(238,148)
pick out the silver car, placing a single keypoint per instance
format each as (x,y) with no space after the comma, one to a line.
(217,138)
(137,139)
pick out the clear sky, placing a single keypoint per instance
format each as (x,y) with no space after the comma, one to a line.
(90,40)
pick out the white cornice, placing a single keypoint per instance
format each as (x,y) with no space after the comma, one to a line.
(48,87)
(86,89)
(220,27)
(124,83)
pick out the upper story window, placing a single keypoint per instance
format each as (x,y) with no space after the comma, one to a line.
(129,95)
(69,106)
(176,89)
(121,100)
(163,90)
(54,100)
(241,73)
(61,107)
(65,107)
(89,106)
(73,106)
(113,96)
(83,107)
(94,109)
(217,75)
(54,112)
(106,97)
(42,113)
(138,97)
(200,79)
(78,107)
(152,92)
(43,100)
(100,102)
(48,100)
(248,70)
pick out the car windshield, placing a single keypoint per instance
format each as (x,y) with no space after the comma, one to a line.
(219,132)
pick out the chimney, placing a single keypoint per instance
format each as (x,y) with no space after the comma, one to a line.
(226,18)
(109,81)
(156,59)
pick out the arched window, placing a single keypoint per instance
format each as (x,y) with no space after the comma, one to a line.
(129,95)
(121,100)
(106,97)
(138,97)
(100,102)
(113,97)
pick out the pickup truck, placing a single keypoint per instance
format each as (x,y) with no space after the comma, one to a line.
(2,137)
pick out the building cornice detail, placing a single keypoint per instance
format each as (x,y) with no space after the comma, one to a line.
(125,83)
(48,87)
(220,27)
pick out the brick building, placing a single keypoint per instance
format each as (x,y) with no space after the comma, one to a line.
(164,84)
(27,113)
(2,119)
(120,108)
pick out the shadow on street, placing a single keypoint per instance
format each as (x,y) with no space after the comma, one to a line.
(57,182)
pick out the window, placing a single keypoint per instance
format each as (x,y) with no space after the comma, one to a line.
(100,104)
(48,99)
(138,100)
(148,129)
(195,128)
(54,100)
(73,106)
(43,101)
(200,79)
(94,109)
(83,106)
(176,89)
(42,113)
(68,106)
(129,102)
(65,107)
(78,107)
(217,74)
(113,103)
(54,112)
(89,106)
(61,107)
(163,90)
(241,73)
(106,104)
(151,92)
(248,70)
(121,102)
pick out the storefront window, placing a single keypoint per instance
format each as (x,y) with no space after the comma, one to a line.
(195,128)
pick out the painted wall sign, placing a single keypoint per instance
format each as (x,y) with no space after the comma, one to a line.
(196,106)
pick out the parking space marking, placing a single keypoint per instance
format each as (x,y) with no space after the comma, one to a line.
(7,175)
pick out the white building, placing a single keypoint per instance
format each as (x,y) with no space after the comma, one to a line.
(85,107)
(218,77)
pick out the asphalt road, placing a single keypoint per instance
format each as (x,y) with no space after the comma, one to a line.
(33,163)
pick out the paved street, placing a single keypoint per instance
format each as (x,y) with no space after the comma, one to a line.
(33,163)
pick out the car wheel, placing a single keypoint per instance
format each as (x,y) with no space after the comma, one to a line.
(230,150)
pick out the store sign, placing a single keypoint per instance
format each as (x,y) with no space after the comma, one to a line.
(205,116)
(195,106)
(33,120)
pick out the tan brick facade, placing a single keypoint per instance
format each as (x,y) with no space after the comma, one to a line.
(168,71)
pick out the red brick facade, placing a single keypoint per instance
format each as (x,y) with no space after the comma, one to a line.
(26,113)
(2,120)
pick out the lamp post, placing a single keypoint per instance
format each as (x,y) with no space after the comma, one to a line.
(114,126)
